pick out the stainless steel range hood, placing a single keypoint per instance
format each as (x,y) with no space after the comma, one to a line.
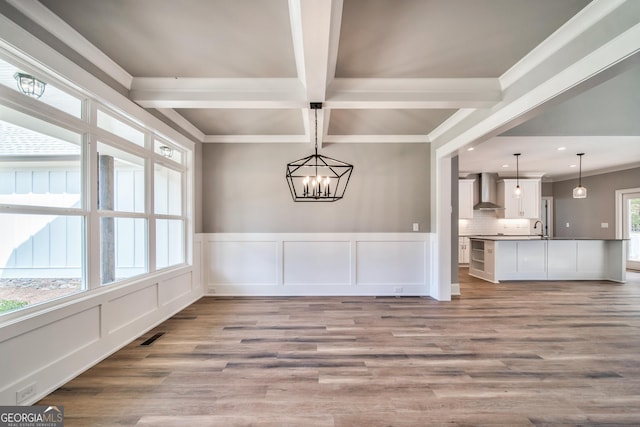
(488,193)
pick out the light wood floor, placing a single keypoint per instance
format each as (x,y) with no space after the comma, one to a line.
(515,354)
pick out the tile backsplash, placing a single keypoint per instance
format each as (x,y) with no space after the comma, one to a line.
(485,222)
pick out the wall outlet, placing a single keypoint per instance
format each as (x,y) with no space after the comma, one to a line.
(397,290)
(416,226)
(604,225)
(26,393)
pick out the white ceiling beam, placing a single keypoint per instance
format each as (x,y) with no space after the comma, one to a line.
(584,63)
(311,32)
(51,22)
(151,92)
(334,39)
(568,32)
(185,124)
(376,139)
(290,93)
(413,93)
(256,139)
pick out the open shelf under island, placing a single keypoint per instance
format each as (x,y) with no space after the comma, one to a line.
(496,258)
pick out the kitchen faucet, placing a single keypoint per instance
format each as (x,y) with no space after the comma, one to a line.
(535,226)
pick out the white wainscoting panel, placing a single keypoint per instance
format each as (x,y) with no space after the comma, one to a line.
(49,343)
(54,342)
(242,262)
(317,262)
(130,307)
(391,262)
(173,288)
(289,264)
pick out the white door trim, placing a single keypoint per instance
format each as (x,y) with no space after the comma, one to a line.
(620,213)
(620,210)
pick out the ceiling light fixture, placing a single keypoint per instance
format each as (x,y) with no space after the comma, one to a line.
(562,148)
(166,151)
(470,149)
(318,178)
(29,85)
(518,191)
(580,192)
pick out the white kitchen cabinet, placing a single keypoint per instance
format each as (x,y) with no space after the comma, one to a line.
(463,250)
(532,259)
(525,206)
(489,259)
(465,198)
(482,262)
(548,259)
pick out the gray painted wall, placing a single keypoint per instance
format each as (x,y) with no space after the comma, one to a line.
(244,189)
(547,189)
(586,215)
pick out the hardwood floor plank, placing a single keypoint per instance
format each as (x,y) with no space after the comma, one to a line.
(514,353)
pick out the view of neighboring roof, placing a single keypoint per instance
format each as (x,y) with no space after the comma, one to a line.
(18,141)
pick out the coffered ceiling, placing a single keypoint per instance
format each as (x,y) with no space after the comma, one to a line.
(234,71)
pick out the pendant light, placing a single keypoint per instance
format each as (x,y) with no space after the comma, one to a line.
(518,190)
(580,192)
(318,178)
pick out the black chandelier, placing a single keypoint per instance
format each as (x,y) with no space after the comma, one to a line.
(29,85)
(318,178)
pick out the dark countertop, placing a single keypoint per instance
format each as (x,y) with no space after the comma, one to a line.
(531,237)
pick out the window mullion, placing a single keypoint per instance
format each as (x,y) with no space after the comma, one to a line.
(93,219)
(150,207)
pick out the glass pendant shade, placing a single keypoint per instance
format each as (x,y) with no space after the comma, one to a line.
(580,192)
(29,85)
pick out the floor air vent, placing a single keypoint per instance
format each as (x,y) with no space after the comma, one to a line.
(153,338)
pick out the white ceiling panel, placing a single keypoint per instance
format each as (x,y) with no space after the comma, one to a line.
(232,71)
(238,121)
(187,38)
(444,38)
(386,122)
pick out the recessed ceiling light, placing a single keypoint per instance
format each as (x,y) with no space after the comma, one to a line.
(505,166)
(470,149)
(562,148)
(572,166)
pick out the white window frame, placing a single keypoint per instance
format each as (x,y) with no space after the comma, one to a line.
(91,136)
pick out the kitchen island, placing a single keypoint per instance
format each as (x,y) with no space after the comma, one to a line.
(496,258)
